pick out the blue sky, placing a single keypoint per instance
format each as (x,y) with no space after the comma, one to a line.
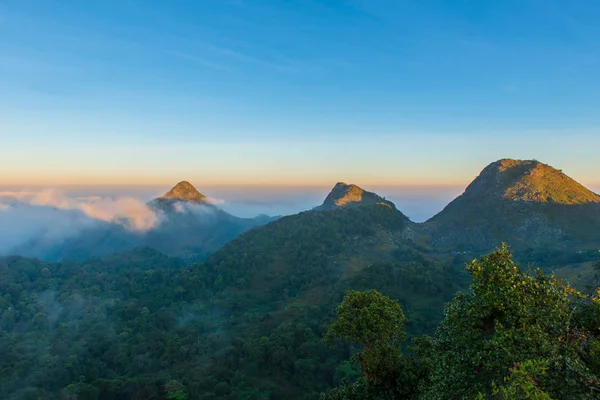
(298,92)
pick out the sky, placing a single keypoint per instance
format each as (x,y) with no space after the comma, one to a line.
(295,92)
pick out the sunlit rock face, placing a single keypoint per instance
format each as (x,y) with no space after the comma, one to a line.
(345,195)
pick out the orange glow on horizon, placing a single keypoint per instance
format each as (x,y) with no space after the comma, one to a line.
(169,179)
(38,179)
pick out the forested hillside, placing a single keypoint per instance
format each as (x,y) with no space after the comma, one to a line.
(90,331)
(248,323)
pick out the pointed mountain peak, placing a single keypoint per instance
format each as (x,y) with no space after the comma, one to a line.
(531,181)
(184,191)
(349,195)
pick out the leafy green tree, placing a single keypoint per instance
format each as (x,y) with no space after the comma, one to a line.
(522,382)
(377,323)
(80,391)
(175,390)
(507,319)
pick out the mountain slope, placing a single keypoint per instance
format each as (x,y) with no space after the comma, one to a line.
(522,202)
(190,228)
(245,324)
(283,280)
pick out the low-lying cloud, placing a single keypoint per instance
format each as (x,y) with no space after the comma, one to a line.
(49,216)
(196,209)
(127,211)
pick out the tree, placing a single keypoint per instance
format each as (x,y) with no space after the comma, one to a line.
(377,323)
(596,267)
(510,319)
(175,390)
(522,383)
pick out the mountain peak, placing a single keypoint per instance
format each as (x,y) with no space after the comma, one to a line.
(184,191)
(531,181)
(349,195)
(523,202)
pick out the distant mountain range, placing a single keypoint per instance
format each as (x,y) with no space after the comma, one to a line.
(287,273)
(545,216)
(190,228)
(528,204)
(247,321)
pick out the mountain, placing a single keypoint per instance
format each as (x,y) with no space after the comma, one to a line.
(247,323)
(182,196)
(344,195)
(526,203)
(280,282)
(190,227)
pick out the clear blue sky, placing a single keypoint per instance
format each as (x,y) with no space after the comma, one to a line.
(303,91)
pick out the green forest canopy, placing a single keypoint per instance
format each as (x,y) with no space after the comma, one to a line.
(512,335)
(94,331)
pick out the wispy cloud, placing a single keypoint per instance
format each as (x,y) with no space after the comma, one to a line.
(201,61)
(246,57)
(126,211)
(33,63)
(243,52)
(214,200)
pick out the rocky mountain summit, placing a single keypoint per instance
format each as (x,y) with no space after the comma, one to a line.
(528,180)
(184,191)
(349,195)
